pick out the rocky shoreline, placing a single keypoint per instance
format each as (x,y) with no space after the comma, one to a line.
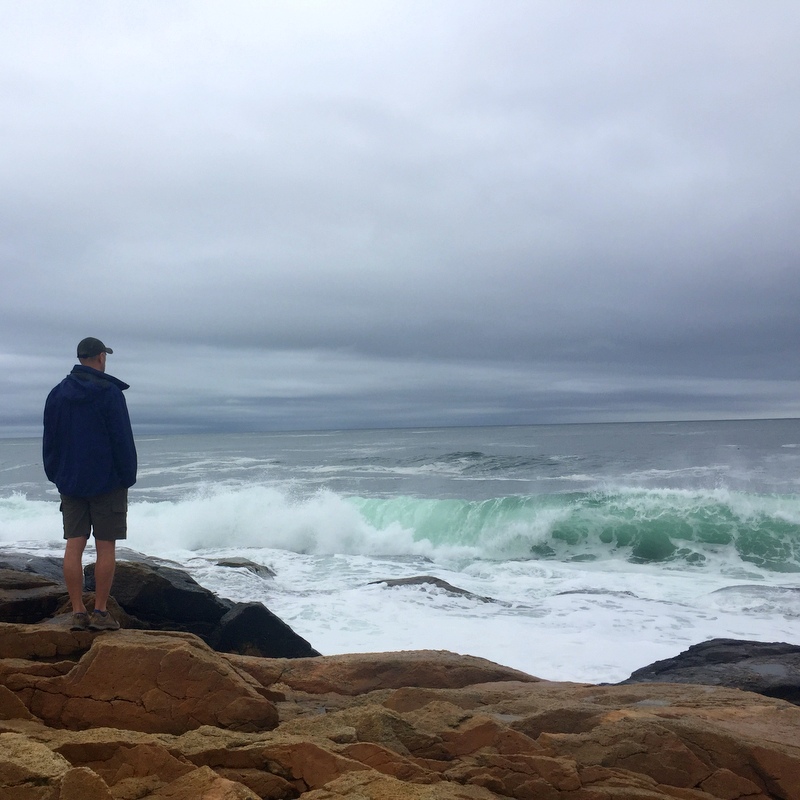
(149,712)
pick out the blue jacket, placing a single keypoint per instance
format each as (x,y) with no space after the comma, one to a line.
(88,446)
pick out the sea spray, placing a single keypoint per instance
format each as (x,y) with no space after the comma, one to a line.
(600,547)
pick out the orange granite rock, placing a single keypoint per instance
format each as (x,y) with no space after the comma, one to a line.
(145,681)
(132,715)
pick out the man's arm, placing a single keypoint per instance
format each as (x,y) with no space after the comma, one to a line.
(49,440)
(123,447)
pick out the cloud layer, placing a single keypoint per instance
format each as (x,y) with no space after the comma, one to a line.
(312,215)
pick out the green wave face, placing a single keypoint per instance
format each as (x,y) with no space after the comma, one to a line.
(640,526)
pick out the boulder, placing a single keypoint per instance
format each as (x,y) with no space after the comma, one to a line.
(132,768)
(437,583)
(50,567)
(27,597)
(203,783)
(144,681)
(164,597)
(245,563)
(252,629)
(46,646)
(83,784)
(771,669)
(148,594)
(356,674)
(29,769)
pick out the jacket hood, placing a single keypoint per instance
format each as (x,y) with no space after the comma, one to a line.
(83,382)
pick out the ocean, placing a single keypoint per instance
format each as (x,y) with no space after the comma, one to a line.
(571,552)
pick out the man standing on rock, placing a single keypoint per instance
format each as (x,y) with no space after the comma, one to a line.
(90,455)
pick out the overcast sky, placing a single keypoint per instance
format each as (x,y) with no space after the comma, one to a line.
(310,215)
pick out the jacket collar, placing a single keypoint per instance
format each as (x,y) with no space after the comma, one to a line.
(83,372)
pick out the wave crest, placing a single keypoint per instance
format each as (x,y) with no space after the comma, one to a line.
(712,530)
(640,526)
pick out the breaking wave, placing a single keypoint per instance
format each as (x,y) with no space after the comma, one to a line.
(711,530)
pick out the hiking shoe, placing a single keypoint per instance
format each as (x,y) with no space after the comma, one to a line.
(80,621)
(102,621)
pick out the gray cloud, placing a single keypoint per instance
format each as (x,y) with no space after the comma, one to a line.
(292,215)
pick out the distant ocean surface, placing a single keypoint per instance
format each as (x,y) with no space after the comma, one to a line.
(583,551)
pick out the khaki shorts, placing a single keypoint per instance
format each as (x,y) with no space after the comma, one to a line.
(105,515)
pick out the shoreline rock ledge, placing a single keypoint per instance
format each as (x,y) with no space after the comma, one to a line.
(159,715)
(199,698)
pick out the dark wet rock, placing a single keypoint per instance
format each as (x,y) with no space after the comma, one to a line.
(251,629)
(767,668)
(245,563)
(126,554)
(26,597)
(438,583)
(149,594)
(46,566)
(164,597)
(170,599)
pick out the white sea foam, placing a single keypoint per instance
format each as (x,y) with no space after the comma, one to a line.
(332,514)
(265,517)
(583,622)
(557,621)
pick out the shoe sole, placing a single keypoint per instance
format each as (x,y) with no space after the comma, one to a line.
(106,624)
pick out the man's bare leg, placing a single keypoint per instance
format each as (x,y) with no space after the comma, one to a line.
(73,571)
(104,572)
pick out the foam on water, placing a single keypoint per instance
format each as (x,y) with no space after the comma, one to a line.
(556,618)
(583,552)
(716,531)
(558,621)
